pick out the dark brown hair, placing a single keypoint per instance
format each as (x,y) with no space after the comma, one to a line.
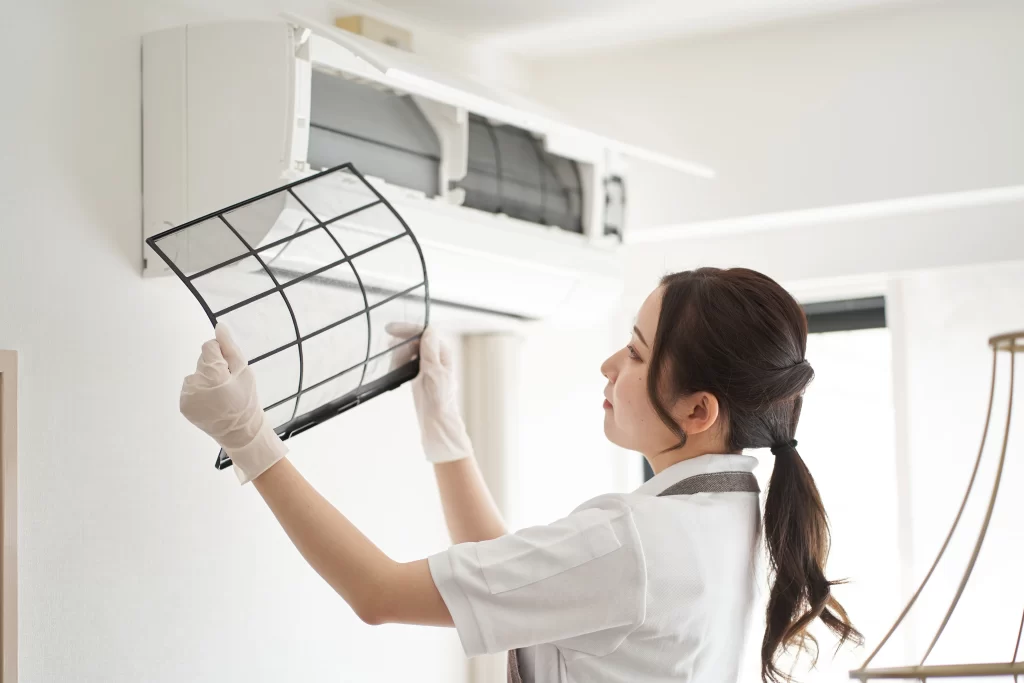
(741,337)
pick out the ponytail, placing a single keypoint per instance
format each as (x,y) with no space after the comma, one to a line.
(797,536)
(740,336)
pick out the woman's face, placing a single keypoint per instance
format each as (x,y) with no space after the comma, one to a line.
(630,420)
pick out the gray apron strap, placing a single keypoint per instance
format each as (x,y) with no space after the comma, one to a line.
(714,482)
(513,667)
(711,482)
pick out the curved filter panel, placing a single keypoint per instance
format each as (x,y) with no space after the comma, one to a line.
(307,276)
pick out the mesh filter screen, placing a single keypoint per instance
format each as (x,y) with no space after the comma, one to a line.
(308,276)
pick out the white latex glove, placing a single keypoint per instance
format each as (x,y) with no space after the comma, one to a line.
(442,431)
(220,398)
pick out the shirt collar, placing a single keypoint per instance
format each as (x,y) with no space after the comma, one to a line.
(703,464)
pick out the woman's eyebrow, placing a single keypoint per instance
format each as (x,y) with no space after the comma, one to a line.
(639,334)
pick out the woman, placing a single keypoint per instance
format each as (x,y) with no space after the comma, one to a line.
(655,585)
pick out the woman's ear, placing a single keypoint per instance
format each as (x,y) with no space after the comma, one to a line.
(697,412)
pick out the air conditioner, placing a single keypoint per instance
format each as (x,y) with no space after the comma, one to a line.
(519,215)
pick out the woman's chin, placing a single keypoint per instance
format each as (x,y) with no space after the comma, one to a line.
(610,432)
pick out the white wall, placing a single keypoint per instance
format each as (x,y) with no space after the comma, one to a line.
(137,561)
(866,107)
(847,250)
(565,457)
(862,107)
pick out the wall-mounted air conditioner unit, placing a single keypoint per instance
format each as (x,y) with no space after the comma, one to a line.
(519,215)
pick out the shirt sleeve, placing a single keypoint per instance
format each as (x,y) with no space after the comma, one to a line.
(579,582)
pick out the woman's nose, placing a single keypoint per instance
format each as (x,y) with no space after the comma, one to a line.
(608,369)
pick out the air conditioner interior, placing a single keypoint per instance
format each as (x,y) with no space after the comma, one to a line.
(381,133)
(510,173)
(385,135)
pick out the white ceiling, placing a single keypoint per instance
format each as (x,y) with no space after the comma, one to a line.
(538,28)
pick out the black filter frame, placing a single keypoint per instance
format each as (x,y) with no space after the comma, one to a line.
(365,390)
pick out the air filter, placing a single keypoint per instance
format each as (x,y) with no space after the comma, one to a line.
(307,276)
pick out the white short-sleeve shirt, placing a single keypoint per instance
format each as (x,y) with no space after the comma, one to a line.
(629,587)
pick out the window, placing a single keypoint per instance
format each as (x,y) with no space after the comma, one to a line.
(845,316)
(847,439)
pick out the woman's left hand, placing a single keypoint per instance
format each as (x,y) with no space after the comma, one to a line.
(220,398)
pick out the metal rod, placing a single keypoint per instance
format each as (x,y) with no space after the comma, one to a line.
(1016,648)
(1009,336)
(941,671)
(956,522)
(988,517)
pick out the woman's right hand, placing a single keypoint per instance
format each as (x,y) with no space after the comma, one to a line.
(442,431)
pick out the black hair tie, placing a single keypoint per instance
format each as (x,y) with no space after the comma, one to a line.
(784,448)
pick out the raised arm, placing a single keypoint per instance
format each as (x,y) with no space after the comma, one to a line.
(377,588)
(221,399)
(469,508)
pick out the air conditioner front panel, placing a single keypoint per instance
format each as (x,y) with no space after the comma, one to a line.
(240,94)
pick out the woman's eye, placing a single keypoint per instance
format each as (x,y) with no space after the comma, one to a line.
(632,352)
